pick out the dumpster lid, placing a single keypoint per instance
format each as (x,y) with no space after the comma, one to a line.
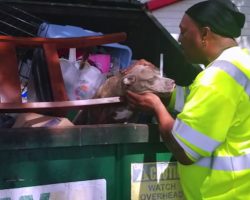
(111,3)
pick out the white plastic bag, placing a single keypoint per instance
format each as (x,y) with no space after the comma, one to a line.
(80,83)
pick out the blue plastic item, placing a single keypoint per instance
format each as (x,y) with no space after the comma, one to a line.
(121,52)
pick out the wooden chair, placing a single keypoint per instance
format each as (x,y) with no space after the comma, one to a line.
(10,87)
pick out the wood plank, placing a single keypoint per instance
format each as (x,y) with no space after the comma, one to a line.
(76,42)
(55,73)
(52,106)
(10,90)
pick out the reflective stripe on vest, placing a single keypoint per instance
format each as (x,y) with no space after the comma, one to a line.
(195,155)
(198,139)
(179,98)
(235,73)
(181,94)
(226,163)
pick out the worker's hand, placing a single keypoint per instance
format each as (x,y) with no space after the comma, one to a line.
(145,101)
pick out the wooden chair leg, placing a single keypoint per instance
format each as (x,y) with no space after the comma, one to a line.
(55,74)
(10,88)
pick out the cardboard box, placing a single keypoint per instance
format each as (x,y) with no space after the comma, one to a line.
(38,120)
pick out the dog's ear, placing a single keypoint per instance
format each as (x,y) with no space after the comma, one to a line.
(147,73)
(129,80)
(144,62)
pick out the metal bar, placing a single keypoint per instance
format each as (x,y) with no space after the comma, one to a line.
(19,19)
(3,33)
(10,25)
(28,14)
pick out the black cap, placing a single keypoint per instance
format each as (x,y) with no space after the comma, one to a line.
(222,16)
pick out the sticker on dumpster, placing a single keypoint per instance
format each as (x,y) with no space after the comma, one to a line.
(82,190)
(155,181)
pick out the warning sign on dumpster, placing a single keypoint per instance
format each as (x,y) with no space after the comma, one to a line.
(155,181)
(82,190)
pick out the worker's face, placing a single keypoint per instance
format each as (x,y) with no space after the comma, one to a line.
(190,40)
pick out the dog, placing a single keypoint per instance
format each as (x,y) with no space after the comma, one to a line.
(141,77)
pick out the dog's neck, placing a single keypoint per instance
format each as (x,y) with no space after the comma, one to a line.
(118,86)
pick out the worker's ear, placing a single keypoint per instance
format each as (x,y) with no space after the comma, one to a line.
(205,31)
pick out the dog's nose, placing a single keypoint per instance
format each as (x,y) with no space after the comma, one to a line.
(170,83)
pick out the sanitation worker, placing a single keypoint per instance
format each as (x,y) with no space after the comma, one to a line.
(210,137)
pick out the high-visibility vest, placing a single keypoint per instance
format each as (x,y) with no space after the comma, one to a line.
(214,130)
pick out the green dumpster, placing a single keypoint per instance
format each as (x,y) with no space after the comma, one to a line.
(108,162)
(107,156)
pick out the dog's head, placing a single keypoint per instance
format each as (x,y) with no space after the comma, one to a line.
(145,78)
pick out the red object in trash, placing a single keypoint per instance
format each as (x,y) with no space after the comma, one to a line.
(155,4)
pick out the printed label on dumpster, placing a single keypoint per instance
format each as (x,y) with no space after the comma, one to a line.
(82,190)
(155,181)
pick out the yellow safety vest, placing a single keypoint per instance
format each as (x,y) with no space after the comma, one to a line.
(214,130)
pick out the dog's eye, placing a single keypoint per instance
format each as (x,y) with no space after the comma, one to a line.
(129,80)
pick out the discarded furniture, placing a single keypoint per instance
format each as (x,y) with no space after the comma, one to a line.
(10,91)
